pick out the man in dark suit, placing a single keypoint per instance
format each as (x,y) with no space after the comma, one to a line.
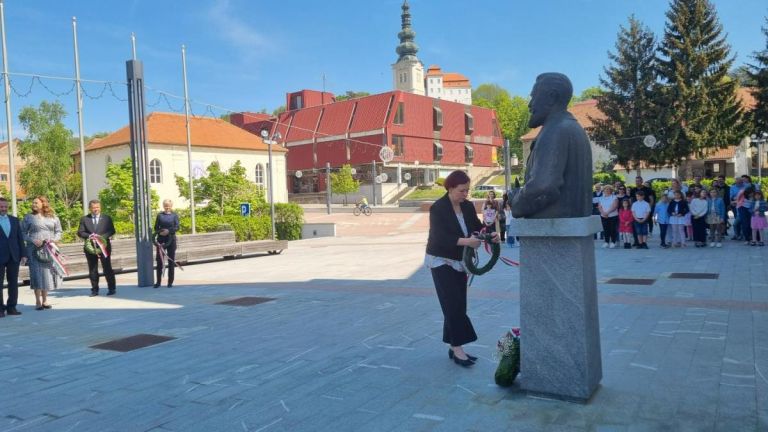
(97,223)
(12,254)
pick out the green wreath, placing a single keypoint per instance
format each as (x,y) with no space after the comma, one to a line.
(471,259)
(92,248)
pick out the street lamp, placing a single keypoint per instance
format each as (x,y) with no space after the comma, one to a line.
(759,140)
(269,142)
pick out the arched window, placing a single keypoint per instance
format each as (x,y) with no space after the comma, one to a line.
(109,159)
(259,175)
(155,171)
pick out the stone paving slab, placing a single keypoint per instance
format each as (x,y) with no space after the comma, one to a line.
(352,343)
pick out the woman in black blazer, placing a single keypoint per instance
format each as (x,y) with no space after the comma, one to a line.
(452,220)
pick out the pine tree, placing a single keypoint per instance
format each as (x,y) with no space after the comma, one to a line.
(759,73)
(699,108)
(627,101)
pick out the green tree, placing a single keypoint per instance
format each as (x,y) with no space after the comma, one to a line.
(699,109)
(759,74)
(742,76)
(279,110)
(224,190)
(47,154)
(351,95)
(342,182)
(628,101)
(511,112)
(588,93)
(117,198)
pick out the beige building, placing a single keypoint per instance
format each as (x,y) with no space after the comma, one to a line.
(212,140)
(18,164)
(450,86)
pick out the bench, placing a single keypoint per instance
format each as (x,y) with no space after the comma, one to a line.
(191,248)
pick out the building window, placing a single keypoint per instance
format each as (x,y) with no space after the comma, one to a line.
(437,152)
(155,171)
(400,114)
(437,118)
(716,168)
(259,175)
(469,153)
(397,144)
(109,159)
(469,124)
(4,177)
(297,102)
(495,126)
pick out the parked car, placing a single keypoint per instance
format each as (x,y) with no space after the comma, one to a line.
(487,188)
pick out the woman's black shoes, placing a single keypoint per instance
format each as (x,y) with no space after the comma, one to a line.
(470,358)
(157,285)
(465,363)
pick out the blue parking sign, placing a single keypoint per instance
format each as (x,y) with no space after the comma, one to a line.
(245,209)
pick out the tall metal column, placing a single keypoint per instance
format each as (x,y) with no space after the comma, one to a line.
(189,141)
(8,116)
(78,91)
(328,187)
(373,183)
(507,167)
(139,161)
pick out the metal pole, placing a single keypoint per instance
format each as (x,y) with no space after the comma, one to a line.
(133,45)
(8,117)
(189,140)
(328,187)
(373,183)
(78,91)
(507,167)
(141,190)
(269,180)
(760,162)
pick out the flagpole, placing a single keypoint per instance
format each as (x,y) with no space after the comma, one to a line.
(78,91)
(8,116)
(189,139)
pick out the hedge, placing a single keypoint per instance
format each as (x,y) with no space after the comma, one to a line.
(289,219)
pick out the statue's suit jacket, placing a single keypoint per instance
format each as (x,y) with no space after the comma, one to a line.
(558,172)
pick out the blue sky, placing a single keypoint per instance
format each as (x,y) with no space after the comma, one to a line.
(245,55)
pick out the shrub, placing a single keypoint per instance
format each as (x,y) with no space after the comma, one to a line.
(289,218)
(606,177)
(440,181)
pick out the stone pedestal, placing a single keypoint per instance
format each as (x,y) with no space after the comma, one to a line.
(560,341)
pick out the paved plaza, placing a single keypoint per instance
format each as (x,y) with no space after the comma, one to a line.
(351,342)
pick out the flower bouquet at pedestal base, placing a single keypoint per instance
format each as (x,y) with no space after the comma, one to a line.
(508,353)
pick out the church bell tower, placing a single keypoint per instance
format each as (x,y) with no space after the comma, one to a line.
(408,71)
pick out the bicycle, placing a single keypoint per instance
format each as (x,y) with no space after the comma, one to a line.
(364,209)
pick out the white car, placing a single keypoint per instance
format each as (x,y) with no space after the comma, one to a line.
(487,188)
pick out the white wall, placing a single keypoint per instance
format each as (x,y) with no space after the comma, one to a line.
(174,161)
(413,73)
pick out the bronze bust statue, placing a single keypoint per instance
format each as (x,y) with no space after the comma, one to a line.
(558,172)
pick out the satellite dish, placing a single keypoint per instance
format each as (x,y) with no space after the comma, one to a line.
(298,174)
(649,141)
(407,176)
(378,179)
(384,177)
(386,154)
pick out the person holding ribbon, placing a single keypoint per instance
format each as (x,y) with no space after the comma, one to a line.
(41,230)
(166,226)
(96,229)
(452,221)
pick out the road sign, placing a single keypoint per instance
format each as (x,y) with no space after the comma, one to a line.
(298,174)
(245,209)
(649,141)
(386,154)
(384,177)
(407,176)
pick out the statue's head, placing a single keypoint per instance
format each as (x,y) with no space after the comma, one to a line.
(551,93)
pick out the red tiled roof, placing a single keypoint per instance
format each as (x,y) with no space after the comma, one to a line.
(434,70)
(584,113)
(371,112)
(744,94)
(335,119)
(170,129)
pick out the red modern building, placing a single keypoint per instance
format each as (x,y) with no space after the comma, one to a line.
(429,137)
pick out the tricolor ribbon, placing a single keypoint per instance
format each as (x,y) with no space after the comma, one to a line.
(100,243)
(165,259)
(58,260)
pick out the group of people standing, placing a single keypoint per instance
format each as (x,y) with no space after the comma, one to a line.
(682,213)
(33,240)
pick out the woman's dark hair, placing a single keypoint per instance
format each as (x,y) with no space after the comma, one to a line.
(456,178)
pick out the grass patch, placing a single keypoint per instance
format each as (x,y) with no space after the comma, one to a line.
(425,194)
(499,180)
